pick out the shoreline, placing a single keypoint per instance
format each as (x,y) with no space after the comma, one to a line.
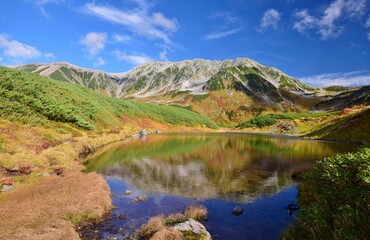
(32,210)
(68,222)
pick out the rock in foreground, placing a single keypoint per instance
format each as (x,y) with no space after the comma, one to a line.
(192,229)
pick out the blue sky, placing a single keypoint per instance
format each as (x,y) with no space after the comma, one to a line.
(323,42)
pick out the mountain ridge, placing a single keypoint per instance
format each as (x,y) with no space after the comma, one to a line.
(213,66)
(226,91)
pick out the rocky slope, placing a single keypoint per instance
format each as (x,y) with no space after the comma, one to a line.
(346,99)
(223,90)
(159,78)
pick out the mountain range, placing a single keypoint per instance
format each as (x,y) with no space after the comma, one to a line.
(226,91)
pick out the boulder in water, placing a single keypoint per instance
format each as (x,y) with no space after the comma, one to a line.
(192,229)
(238,210)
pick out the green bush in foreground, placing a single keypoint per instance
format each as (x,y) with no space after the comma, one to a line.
(335,199)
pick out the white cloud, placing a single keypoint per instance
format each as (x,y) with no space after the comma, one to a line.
(217,35)
(367,24)
(327,25)
(163,55)
(94,42)
(355,78)
(138,20)
(134,59)
(17,50)
(99,62)
(368,36)
(270,19)
(49,55)
(121,38)
(162,21)
(226,17)
(305,21)
(40,4)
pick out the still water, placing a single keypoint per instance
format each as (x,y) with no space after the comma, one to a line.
(217,171)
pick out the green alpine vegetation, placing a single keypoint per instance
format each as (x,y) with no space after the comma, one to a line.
(270,119)
(335,199)
(29,98)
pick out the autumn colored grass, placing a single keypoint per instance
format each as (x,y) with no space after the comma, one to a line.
(48,208)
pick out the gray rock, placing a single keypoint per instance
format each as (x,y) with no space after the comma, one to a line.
(127,192)
(195,227)
(7,188)
(143,132)
(238,210)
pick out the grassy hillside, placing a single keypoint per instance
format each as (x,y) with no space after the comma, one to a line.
(350,127)
(28,98)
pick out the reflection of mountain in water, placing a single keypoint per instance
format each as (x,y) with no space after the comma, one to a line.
(234,167)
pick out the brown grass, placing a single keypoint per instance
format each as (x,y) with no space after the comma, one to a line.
(46,210)
(156,229)
(44,207)
(161,228)
(174,219)
(153,226)
(167,234)
(196,213)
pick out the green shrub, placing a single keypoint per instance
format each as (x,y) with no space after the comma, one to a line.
(200,97)
(335,198)
(259,121)
(268,120)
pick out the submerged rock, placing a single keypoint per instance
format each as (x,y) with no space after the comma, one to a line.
(238,210)
(122,216)
(293,207)
(139,199)
(128,192)
(192,229)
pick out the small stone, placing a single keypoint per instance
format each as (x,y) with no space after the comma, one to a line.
(12,170)
(157,131)
(238,210)
(25,170)
(7,181)
(58,171)
(128,192)
(6,188)
(293,207)
(139,199)
(122,216)
(143,132)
